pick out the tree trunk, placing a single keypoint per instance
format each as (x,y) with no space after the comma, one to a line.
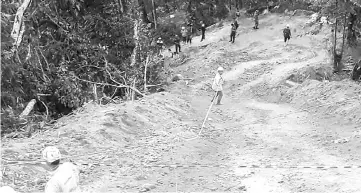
(145,74)
(143,11)
(335,63)
(135,54)
(344,33)
(19,27)
(154,14)
(121,6)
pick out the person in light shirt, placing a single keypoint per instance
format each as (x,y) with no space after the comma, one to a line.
(7,189)
(65,176)
(217,85)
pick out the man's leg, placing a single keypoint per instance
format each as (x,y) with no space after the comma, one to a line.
(179,47)
(230,40)
(176,49)
(220,95)
(234,37)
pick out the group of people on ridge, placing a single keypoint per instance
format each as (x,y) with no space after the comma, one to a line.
(186,38)
(234,27)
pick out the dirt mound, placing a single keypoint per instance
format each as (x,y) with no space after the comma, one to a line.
(93,137)
(339,99)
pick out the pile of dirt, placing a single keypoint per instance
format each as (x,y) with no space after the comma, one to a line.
(97,136)
(317,72)
(337,99)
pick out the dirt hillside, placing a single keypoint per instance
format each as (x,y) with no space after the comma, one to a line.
(269,135)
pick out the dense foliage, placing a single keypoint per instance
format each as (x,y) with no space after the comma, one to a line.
(73,51)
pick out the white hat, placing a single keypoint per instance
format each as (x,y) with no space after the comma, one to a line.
(287,25)
(220,69)
(7,189)
(51,154)
(183,27)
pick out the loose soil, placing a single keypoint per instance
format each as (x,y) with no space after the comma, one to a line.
(269,135)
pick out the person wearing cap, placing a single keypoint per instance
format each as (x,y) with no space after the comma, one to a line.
(233,33)
(7,189)
(159,45)
(287,34)
(203,29)
(256,14)
(177,44)
(65,176)
(184,33)
(217,85)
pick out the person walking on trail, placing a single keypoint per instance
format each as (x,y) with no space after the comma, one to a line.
(160,44)
(184,33)
(65,176)
(217,85)
(233,33)
(177,44)
(256,14)
(189,38)
(203,29)
(287,34)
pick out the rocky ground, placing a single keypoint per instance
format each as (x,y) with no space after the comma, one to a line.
(270,134)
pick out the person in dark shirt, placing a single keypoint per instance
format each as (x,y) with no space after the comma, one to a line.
(256,14)
(287,34)
(235,23)
(177,44)
(203,29)
(233,33)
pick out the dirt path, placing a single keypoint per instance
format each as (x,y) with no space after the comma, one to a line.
(249,144)
(244,134)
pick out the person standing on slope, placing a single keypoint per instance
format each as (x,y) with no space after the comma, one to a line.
(235,23)
(233,33)
(65,177)
(160,44)
(217,85)
(256,14)
(203,29)
(177,44)
(287,34)
(184,33)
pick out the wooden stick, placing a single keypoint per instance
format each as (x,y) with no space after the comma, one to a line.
(205,119)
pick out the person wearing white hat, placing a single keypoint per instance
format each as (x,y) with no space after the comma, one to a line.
(287,34)
(217,85)
(65,177)
(160,44)
(184,33)
(7,189)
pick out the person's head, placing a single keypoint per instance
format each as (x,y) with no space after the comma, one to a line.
(159,38)
(52,156)
(7,189)
(183,27)
(232,24)
(220,70)
(176,35)
(287,26)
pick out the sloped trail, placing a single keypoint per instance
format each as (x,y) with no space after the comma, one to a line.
(245,132)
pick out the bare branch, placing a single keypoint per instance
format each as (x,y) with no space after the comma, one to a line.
(116,86)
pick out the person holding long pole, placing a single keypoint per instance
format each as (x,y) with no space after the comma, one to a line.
(217,85)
